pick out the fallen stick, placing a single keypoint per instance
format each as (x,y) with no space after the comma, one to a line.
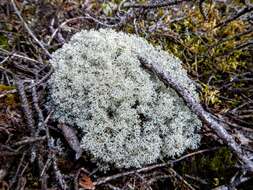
(196,107)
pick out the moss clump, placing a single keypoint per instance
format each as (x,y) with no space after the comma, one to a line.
(215,168)
(10,99)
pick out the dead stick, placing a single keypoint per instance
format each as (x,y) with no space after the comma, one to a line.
(199,111)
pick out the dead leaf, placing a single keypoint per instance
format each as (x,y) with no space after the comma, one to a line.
(86,183)
(71,138)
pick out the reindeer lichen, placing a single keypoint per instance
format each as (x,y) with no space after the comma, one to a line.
(129,118)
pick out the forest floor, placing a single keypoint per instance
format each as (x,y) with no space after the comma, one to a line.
(214,40)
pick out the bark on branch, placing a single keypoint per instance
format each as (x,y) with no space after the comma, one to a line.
(199,111)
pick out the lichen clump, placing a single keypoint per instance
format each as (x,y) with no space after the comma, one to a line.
(129,118)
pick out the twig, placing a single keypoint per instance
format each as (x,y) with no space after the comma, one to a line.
(235,181)
(173,172)
(4,60)
(18,55)
(144,182)
(201,9)
(145,169)
(76,183)
(113,187)
(231,38)
(86,17)
(199,111)
(241,12)
(156,178)
(153,6)
(41,124)
(54,32)
(25,106)
(28,29)
(194,153)
(196,179)
(30,140)
(14,179)
(31,86)
(27,112)
(46,165)
(58,173)
(152,167)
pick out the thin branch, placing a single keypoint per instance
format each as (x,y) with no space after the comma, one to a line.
(58,173)
(10,55)
(31,86)
(201,9)
(25,106)
(241,12)
(231,38)
(199,111)
(173,172)
(153,6)
(29,30)
(28,113)
(30,140)
(86,17)
(152,167)
(195,153)
(41,124)
(116,176)
(4,60)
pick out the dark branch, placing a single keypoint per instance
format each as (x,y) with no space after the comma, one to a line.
(153,6)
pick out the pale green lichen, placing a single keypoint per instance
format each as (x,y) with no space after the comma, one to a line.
(128,117)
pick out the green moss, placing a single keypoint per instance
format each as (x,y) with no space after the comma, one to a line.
(10,99)
(5,87)
(4,42)
(207,51)
(215,167)
(222,160)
